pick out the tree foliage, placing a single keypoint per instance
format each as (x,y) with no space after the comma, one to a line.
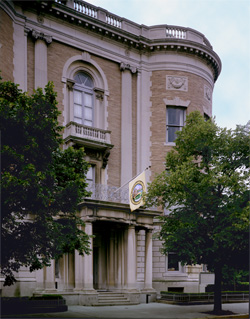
(205,190)
(41,184)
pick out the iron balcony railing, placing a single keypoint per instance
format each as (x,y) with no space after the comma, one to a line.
(108,193)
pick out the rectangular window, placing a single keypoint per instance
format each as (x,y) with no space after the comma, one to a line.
(175,121)
(172,262)
(91,174)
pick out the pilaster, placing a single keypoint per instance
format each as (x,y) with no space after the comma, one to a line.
(20,56)
(126,122)
(41,67)
(50,277)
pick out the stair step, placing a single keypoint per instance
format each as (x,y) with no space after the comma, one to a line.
(113,299)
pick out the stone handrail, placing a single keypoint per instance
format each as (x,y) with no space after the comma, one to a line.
(87,132)
(167,32)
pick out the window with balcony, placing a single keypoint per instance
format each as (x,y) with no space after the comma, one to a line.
(175,121)
(83,99)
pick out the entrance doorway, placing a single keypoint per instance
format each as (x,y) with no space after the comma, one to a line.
(109,255)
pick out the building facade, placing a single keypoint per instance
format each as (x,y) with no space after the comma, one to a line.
(123,91)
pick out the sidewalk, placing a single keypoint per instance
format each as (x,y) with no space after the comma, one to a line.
(151,310)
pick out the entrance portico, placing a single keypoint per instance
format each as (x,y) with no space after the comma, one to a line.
(112,264)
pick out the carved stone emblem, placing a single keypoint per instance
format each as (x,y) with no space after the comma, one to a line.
(179,83)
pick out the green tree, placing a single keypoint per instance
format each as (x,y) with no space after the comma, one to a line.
(41,184)
(205,189)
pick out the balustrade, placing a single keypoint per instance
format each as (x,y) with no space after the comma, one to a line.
(87,132)
(172,32)
(114,21)
(176,32)
(85,8)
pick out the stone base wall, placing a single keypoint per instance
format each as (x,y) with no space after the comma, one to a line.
(189,286)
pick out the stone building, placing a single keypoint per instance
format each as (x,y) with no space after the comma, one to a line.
(124,89)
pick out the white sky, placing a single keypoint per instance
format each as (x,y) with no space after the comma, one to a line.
(225,23)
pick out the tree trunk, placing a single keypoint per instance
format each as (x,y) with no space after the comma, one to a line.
(217,290)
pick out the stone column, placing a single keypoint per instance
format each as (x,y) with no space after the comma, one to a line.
(131,258)
(41,67)
(111,261)
(126,123)
(50,277)
(88,262)
(148,260)
(78,271)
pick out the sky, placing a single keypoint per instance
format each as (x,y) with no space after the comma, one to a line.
(225,23)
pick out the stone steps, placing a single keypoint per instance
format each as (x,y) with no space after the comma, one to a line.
(112,299)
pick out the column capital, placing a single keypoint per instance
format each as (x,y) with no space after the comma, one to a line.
(126,66)
(40,35)
(131,226)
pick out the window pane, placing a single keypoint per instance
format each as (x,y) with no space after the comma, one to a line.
(77,111)
(175,116)
(88,123)
(88,82)
(171,136)
(77,120)
(77,97)
(88,113)
(88,100)
(90,174)
(83,79)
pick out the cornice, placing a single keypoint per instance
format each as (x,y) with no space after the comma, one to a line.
(139,43)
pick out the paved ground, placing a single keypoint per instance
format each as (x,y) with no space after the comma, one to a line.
(151,310)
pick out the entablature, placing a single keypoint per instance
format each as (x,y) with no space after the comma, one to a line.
(138,37)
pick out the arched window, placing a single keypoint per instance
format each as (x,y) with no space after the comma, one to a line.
(83,99)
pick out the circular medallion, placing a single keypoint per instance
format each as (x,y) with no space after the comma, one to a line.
(136,192)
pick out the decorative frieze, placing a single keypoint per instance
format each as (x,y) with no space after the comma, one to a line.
(179,83)
(126,66)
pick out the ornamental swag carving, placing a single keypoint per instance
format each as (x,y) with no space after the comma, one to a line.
(179,83)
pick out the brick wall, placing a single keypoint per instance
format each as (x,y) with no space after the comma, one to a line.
(6,47)
(58,54)
(113,75)
(159,261)
(195,94)
(140,255)
(30,65)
